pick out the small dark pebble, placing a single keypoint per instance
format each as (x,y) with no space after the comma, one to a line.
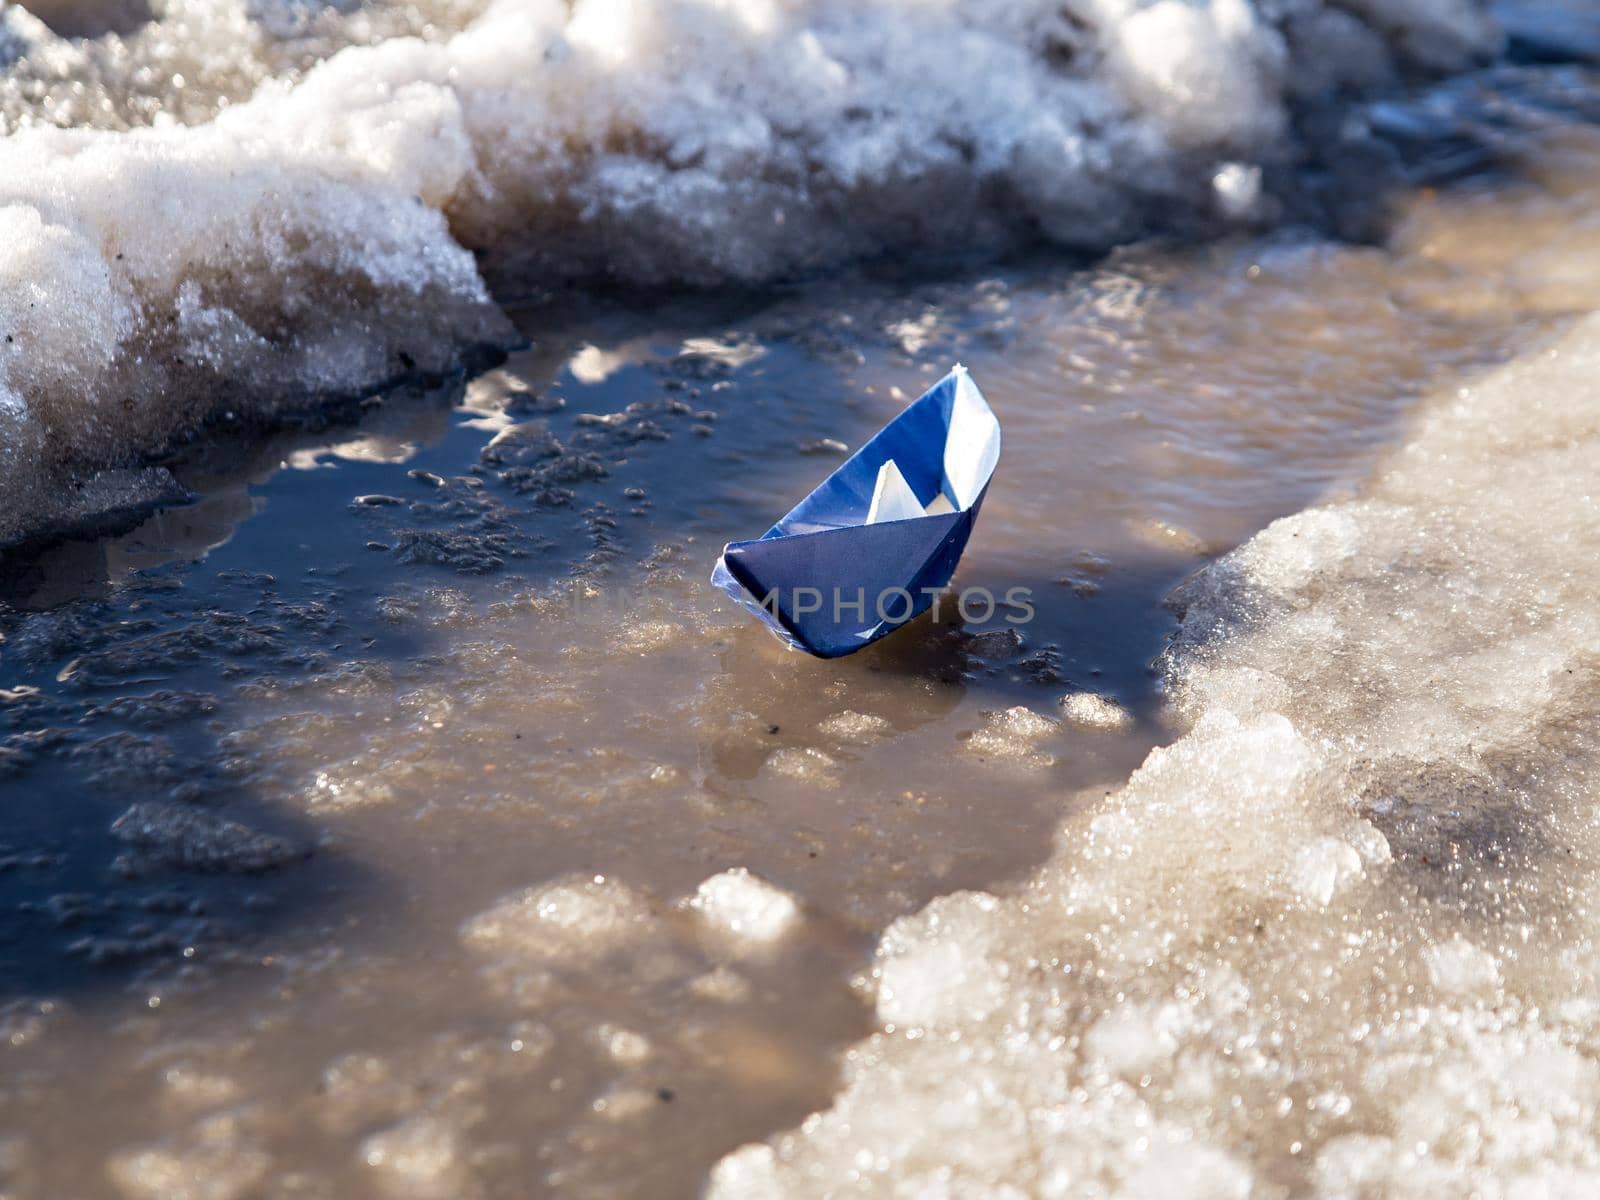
(634,493)
(1082,588)
(772,729)
(666,1095)
(995,643)
(519,403)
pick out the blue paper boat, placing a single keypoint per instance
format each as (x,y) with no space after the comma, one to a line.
(869,549)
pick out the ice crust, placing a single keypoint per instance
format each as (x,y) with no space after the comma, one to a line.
(1339,938)
(298,215)
(743,909)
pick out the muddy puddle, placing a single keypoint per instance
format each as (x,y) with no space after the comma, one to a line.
(407,816)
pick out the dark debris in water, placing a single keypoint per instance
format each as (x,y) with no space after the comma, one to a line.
(129,826)
(130,760)
(522,403)
(155,710)
(160,835)
(1044,667)
(131,708)
(470,553)
(549,484)
(1000,644)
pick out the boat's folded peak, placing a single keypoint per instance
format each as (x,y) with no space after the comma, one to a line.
(971,443)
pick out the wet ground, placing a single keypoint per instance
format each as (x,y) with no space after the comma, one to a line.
(349,816)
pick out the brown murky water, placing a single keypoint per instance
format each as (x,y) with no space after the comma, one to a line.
(431,728)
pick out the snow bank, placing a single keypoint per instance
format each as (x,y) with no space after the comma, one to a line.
(172,250)
(1341,937)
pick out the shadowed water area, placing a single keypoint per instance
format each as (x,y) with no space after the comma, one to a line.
(350,815)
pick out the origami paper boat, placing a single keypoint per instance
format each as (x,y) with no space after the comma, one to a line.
(869,549)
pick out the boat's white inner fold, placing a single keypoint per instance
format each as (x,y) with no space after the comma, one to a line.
(971,450)
(893,499)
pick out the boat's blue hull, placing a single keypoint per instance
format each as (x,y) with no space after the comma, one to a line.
(828,583)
